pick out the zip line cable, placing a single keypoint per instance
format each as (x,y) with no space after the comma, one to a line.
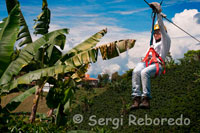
(176,24)
(161,2)
(182,29)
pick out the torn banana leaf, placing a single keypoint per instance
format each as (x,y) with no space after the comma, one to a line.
(108,51)
(113,49)
(84,46)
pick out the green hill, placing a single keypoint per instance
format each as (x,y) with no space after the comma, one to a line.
(175,106)
(176,96)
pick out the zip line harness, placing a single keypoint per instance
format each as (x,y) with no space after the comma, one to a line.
(155,55)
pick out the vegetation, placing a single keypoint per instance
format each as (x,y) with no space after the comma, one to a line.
(29,65)
(175,93)
(40,62)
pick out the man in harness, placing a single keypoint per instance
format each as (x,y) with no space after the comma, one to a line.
(153,63)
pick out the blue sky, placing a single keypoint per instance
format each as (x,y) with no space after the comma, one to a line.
(123,18)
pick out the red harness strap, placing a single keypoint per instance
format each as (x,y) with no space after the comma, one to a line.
(154,58)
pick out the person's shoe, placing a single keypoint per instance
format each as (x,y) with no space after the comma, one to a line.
(145,103)
(136,102)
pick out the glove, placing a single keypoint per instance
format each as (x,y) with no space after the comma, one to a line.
(156,6)
(163,15)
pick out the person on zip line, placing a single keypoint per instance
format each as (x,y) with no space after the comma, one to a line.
(153,63)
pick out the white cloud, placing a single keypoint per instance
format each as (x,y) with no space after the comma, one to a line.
(131,11)
(110,69)
(130,64)
(181,42)
(115,1)
(74,15)
(53,27)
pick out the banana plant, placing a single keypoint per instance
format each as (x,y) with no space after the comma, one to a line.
(53,65)
(24,34)
(9,32)
(72,66)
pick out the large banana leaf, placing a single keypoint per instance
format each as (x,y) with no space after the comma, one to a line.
(36,75)
(10,4)
(52,71)
(43,20)
(15,102)
(54,54)
(108,51)
(24,34)
(8,34)
(50,54)
(24,31)
(87,44)
(68,94)
(27,54)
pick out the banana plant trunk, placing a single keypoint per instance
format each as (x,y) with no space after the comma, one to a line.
(36,101)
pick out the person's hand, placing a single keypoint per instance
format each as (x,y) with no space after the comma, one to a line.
(156,6)
(163,15)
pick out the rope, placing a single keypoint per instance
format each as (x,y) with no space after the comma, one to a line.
(176,25)
(153,23)
(182,29)
(161,2)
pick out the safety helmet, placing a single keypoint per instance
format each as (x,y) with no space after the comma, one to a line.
(156,27)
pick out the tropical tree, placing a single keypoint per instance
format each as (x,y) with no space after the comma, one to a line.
(115,77)
(64,72)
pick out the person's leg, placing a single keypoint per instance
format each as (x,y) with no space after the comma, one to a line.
(136,79)
(146,75)
(136,85)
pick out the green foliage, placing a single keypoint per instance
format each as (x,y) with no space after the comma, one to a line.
(121,83)
(43,20)
(27,54)
(23,34)
(115,77)
(174,93)
(127,75)
(50,63)
(191,56)
(87,103)
(35,75)
(119,86)
(8,34)
(13,123)
(101,130)
(60,96)
(59,92)
(84,46)
(105,78)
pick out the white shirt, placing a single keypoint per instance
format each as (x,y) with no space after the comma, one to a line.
(162,47)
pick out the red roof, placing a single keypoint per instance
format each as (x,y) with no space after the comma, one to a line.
(87,77)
